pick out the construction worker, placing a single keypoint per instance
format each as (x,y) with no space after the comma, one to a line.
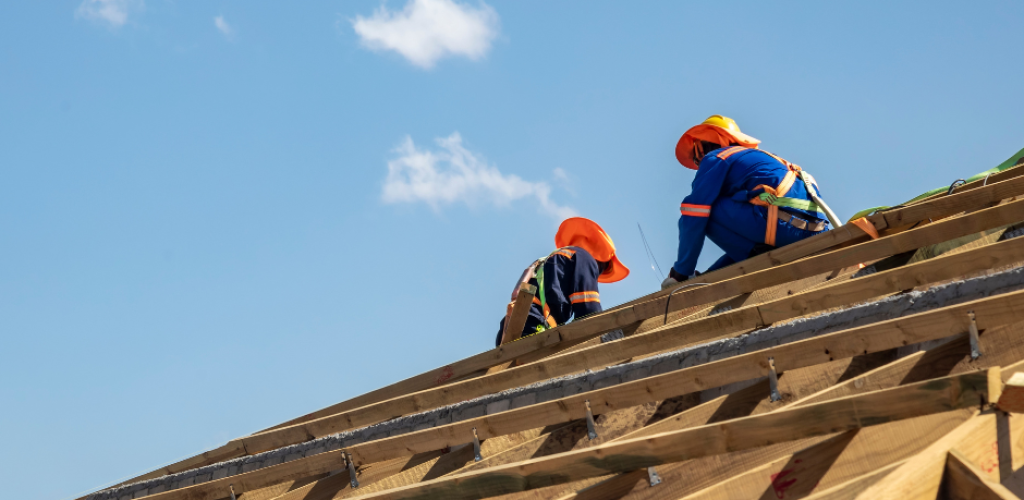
(567,279)
(746,200)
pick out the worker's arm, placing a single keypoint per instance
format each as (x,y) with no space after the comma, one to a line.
(695,211)
(584,296)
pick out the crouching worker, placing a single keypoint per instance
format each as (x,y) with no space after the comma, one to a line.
(567,279)
(745,200)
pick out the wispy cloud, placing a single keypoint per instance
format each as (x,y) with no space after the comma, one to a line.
(427,30)
(111,12)
(455,174)
(223,26)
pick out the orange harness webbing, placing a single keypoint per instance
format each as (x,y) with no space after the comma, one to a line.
(779,191)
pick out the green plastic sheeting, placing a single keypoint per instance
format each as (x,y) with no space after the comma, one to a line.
(1006,165)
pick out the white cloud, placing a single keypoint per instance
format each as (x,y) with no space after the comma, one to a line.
(427,30)
(223,26)
(112,12)
(455,174)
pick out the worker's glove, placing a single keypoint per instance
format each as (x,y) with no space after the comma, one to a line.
(673,279)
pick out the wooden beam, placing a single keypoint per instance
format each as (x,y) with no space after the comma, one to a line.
(990,312)
(933,233)
(752,400)
(941,395)
(838,459)
(935,209)
(1003,345)
(739,320)
(520,311)
(553,340)
(844,257)
(850,489)
(1012,399)
(683,478)
(618,317)
(965,481)
(609,427)
(920,477)
(406,470)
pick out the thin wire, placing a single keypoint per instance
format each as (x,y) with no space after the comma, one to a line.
(650,254)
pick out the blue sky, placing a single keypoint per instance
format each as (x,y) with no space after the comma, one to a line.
(219,215)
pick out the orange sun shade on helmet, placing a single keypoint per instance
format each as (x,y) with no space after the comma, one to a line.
(586,234)
(717,129)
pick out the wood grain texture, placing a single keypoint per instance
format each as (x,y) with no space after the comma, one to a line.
(836,460)
(965,481)
(941,395)
(850,489)
(920,477)
(742,319)
(968,198)
(520,311)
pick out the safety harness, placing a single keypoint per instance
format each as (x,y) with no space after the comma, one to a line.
(775,197)
(536,270)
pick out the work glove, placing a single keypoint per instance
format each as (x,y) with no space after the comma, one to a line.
(673,279)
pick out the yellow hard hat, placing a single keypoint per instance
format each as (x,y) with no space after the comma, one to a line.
(718,129)
(724,122)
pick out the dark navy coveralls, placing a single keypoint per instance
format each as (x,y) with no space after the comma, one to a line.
(570,290)
(719,207)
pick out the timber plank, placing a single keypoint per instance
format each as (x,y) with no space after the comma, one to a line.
(964,481)
(610,426)
(406,470)
(939,323)
(837,460)
(850,256)
(991,312)
(850,489)
(520,310)
(292,435)
(960,201)
(1004,346)
(739,320)
(683,478)
(920,477)
(933,209)
(941,395)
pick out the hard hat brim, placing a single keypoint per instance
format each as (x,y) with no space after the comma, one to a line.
(616,271)
(588,235)
(710,133)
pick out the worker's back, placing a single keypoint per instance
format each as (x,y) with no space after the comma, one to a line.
(570,290)
(746,171)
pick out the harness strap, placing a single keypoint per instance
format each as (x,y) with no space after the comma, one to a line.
(536,270)
(775,197)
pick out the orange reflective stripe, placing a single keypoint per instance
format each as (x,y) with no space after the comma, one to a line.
(580,297)
(565,252)
(729,152)
(695,210)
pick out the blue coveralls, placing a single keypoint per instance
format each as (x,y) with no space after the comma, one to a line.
(719,207)
(570,289)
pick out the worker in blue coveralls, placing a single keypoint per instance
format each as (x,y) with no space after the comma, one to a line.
(747,201)
(567,279)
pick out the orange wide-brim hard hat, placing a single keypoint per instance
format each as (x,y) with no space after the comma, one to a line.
(586,234)
(717,129)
